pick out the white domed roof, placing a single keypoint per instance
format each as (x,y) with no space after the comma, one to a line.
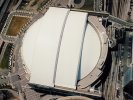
(61,48)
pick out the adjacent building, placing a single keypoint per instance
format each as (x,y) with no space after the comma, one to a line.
(118,8)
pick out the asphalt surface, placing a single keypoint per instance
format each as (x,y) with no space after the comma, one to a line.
(3,10)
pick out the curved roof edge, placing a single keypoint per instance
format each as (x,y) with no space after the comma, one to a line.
(96,72)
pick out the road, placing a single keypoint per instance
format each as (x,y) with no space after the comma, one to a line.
(3,10)
(108,16)
(1,2)
(13,92)
(17,5)
(3,51)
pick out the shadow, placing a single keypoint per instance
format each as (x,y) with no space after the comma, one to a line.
(105,69)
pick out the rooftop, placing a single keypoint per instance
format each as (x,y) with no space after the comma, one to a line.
(62,48)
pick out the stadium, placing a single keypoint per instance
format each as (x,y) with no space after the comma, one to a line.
(65,49)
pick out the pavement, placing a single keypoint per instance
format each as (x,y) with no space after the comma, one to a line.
(17,5)
(14,93)
(16,76)
(1,2)
(3,10)
(3,51)
(1,40)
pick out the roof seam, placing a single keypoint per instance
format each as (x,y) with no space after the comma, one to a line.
(59,44)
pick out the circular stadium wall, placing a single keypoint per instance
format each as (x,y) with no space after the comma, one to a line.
(64,48)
